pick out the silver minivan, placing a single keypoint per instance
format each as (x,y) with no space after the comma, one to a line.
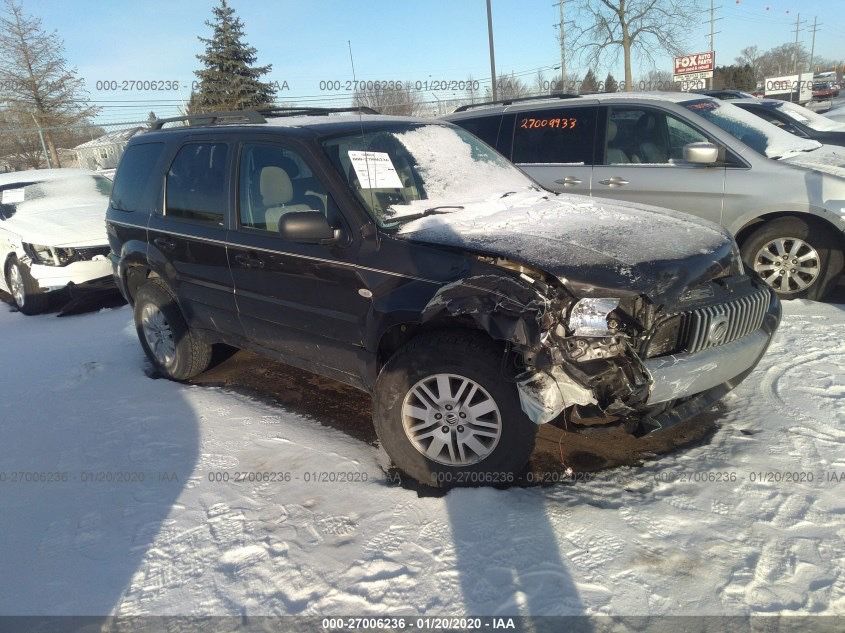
(781,196)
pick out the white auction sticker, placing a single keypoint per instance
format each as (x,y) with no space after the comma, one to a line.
(12,196)
(375,170)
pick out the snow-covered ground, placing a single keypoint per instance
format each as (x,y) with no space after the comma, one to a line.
(721,528)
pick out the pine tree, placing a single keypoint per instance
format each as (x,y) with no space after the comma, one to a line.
(610,84)
(590,83)
(228,79)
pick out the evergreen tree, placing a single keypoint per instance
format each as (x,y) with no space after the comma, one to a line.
(590,83)
(228,79)
(610,84)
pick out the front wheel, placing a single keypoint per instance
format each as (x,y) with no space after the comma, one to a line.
(26,294)
(795,257)
(447,417)
(169,343)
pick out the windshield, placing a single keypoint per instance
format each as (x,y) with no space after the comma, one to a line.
(767,139)
(810,118)
(421,168)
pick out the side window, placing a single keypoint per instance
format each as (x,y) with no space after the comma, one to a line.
(680,134)
(486,128)
(132,189)
(274,181)
(560,135)
(196,184)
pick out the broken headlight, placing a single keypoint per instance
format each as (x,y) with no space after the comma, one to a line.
(49,256)
(589,317)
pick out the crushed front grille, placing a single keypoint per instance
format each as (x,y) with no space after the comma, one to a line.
(723,323)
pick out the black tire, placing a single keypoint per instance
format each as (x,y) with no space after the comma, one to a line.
(192,354)
(824,242)
(467,354)
(34,301)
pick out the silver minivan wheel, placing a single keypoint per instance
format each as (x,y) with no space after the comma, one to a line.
(451,420)
(788,264)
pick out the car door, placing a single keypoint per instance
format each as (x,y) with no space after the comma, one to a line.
(299,299)
(555,146)
(187,237)
(642,161)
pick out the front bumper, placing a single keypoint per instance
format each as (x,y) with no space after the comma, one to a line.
(52,278)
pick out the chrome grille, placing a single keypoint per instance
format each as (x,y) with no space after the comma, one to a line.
(740,316)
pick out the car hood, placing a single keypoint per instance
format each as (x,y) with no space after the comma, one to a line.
(597,247)
(60,224)
(828,159)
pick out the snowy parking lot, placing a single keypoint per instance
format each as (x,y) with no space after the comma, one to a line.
(124,494)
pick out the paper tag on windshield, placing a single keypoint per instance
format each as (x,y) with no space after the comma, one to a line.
(12,196)
(375,170)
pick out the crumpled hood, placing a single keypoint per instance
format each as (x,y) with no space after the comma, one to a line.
(598,247)
(67,224)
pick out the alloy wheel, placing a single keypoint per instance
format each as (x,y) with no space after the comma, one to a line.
(452,420)
(788,264)
(16,284)
(158,334)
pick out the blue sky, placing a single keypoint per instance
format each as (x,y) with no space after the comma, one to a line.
(306,41)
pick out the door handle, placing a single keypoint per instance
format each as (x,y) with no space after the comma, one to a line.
(164,243)
(247,261)
(568,181)
(616,181)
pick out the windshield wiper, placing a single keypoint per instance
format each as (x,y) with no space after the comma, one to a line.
(442,209)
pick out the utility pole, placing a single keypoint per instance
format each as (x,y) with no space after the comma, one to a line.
(797,31)
(713,33)
(492,53)
(816,26)
(562,38)
(43,144)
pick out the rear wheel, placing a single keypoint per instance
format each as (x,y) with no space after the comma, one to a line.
(793,256)
(26,293)
(169,343)
(446,416)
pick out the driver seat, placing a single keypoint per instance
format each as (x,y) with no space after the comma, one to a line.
(276,195)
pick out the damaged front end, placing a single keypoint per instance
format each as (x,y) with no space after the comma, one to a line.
(624,359)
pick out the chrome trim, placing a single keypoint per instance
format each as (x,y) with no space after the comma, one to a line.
(682,375)
(276,252)
(741,316)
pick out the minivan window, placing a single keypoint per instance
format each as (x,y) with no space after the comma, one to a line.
(419,168)
(486,128)
(133,177)
(765,138)
(196,183)
(647,136)
(561,135)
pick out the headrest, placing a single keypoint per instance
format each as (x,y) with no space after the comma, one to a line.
(276,187)
(612,130)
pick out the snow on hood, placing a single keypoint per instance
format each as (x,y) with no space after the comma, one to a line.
(828,159)
(597,244)
(69,212)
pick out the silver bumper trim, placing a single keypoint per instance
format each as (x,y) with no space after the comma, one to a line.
(682,375)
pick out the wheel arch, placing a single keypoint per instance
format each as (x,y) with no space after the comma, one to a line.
(811,218)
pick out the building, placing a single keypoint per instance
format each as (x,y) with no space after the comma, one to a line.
(105,151)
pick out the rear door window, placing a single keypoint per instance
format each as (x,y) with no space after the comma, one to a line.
(197,184)
(555,136)
(486,128)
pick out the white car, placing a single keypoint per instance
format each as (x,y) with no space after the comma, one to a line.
(52,233)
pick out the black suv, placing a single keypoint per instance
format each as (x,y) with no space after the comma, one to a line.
(407,258)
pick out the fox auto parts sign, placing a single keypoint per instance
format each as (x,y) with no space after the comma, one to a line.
(700,65)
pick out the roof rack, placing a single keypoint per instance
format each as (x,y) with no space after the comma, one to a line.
(554,95)
(211,118)
(253,116)
(312,110)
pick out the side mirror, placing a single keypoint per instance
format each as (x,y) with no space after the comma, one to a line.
(701,153)
(307,227)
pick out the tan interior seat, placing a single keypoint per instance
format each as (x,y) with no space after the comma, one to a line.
(276,195)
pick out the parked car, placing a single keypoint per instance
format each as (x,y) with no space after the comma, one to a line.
(691,153)
(825,90)
(796,120)
(52,234)
(410,260)
(725,95)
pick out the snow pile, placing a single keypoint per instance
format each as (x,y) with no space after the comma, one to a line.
(735,526)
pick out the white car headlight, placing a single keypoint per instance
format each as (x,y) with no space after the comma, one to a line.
(589,317)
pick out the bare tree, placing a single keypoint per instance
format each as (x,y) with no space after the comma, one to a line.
(509,87)
(388,99)
(35,77)
(635,28)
